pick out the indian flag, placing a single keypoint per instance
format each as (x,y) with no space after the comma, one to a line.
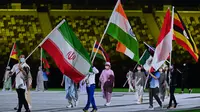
(67,51)
(120,29)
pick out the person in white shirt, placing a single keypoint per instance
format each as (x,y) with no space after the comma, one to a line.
(90,81)
(40,82)
(7,80)
(21,71)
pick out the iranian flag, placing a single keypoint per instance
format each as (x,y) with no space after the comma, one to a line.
(164,44)
(15,51)
(120,29)
(67,51)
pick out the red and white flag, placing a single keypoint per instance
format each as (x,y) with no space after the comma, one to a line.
(164,44)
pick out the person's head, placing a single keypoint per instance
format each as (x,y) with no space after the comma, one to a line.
(107,65)
(22,58)
(40,68)
(160,70)
(8,68)
(139,68)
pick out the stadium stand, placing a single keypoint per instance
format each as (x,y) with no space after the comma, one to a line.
(88,25)
(90,28)
(15,26)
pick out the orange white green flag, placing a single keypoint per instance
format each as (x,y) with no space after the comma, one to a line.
(120,29)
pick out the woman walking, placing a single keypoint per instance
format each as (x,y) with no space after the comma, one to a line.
(7,80)
(40,83)
(162,85)
(106,73)
(139,84)
(70,91)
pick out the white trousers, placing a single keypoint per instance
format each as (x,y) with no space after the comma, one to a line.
(139,92)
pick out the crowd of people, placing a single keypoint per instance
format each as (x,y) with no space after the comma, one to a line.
(161,84)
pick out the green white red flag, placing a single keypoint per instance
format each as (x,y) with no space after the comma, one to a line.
(67,51)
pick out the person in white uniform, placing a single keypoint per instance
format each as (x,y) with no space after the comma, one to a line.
(21,71)
(90,81)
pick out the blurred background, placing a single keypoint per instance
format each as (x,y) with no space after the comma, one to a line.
(29,21)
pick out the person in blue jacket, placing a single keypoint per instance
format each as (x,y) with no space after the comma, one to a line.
(154,89)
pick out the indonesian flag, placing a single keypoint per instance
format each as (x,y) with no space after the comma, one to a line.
(164,44)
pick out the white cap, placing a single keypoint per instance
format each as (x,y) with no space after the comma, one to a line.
(107,63)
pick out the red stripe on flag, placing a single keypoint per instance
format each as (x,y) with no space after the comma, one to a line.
(165,28)
(185,46)
(65,67)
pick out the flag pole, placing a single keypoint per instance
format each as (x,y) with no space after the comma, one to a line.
(41,57)
(105,31)
(100,42)
(93,49)
(46,38)
(172,25)
(10,55)
(135,66)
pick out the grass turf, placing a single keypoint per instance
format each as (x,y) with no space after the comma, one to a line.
(178,90)
(194,110)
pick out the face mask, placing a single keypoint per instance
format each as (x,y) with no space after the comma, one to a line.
(139,69)
(107,67)
(22,60)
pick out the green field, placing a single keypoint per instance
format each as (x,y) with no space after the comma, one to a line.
(195,110)
(178,90)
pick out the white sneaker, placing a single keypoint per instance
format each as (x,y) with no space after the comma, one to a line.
(108,104)
(29,106)
(3,89)
(151,108)
(138,102)
(70,106)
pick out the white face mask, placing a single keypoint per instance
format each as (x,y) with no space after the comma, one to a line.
(22,60)
(107,67)
(139,69)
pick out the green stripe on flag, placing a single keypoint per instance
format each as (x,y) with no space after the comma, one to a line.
(144,58)
(126,39)
(71,38)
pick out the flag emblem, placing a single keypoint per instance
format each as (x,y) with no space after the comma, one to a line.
(71,55)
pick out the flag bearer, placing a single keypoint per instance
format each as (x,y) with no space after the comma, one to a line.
(90,81)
